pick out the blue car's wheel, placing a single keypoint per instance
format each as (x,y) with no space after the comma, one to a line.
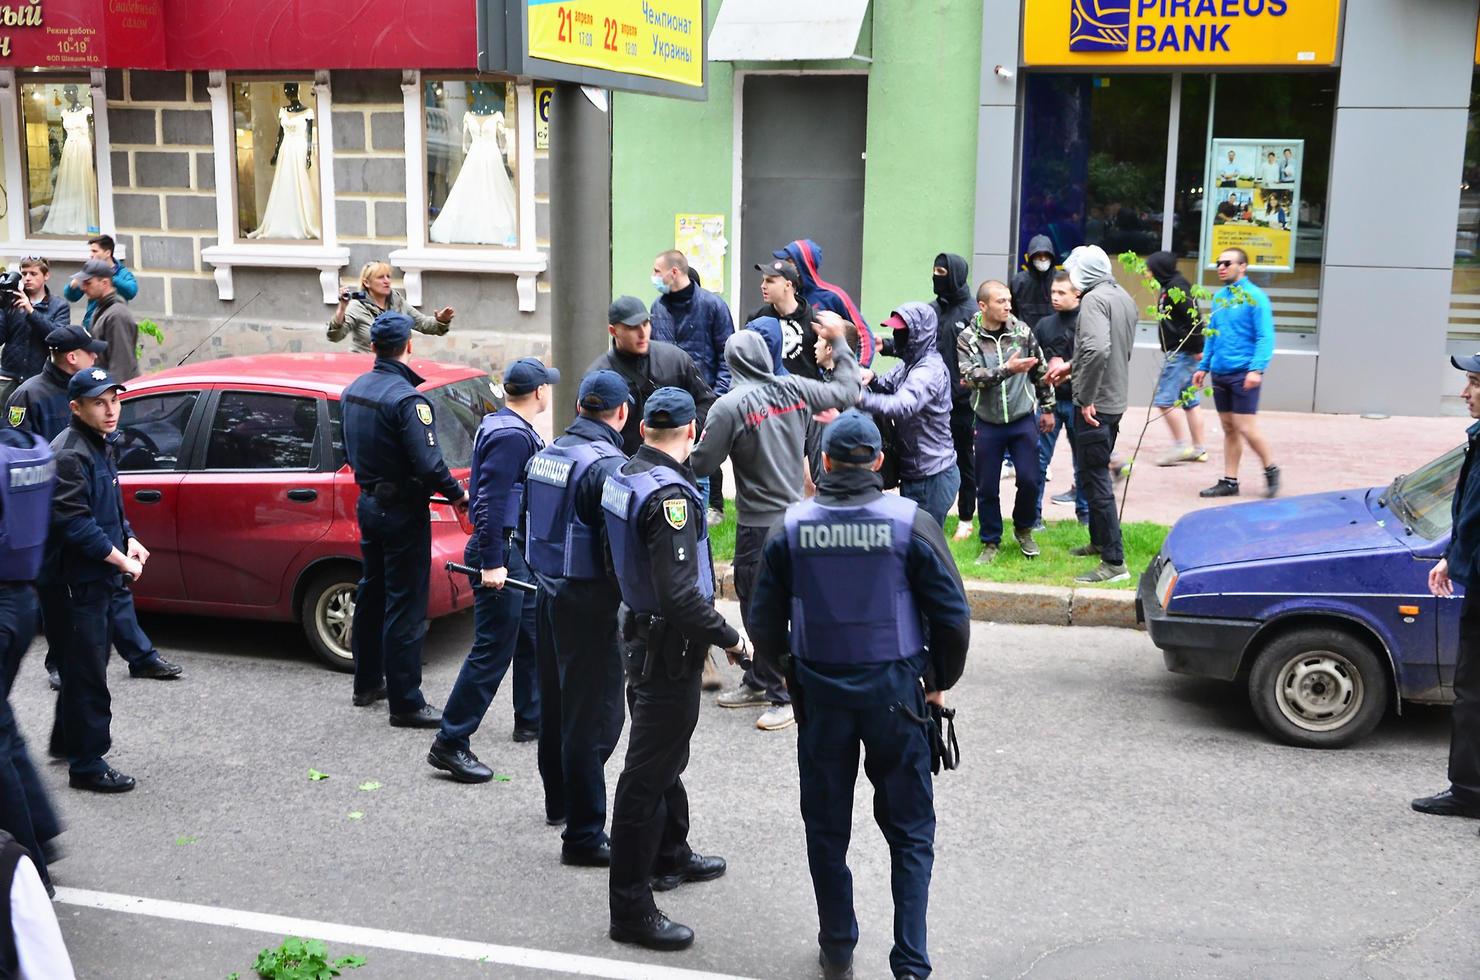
(1318,688)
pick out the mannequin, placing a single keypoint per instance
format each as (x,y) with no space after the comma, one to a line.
(481,208)
(74,198)
(292,209)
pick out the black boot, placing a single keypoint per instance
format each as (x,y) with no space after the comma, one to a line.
(655,931)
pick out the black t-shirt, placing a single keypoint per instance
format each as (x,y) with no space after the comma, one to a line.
(798,339)
(1055,334)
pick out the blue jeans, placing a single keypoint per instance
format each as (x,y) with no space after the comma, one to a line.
(1063,421)
(935,494)
(391,600)
(1020,439)
(503,622)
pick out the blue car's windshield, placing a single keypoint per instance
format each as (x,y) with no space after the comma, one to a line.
(1422,497)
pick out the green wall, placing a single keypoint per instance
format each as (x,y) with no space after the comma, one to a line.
(672,156)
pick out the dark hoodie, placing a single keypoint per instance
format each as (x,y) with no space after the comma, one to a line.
(1177,320)
(823,295)
(1031,300)
(954,307)
(917,396)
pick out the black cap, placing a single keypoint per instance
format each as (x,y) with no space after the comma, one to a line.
(628,310)
(602,391)
(1471,363)
(852,438)
(90,384)
(391,329)
(527,374)
(669,408)
(74,338)
(784,268)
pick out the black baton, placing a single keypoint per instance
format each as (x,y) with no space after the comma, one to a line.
(476,574)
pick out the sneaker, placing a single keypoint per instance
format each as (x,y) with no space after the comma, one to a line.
(1026,544)
(1048,474)
(775,718)
(714,517)
(1122,470)
(1199,455)
(712,680)
(1085,551)
(1038,525)
(1067,497)
(1223,488)
(964,531)
(1104,572)
(1180,454)
(1008,469)
(1271,481)
(987,555)
(742,696)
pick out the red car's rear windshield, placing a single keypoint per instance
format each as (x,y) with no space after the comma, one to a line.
(459,407)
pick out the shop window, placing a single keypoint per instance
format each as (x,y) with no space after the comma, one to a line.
(472,162)
(61,181)
(1464,298)
(276,137)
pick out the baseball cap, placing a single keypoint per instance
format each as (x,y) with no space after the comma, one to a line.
(90,384)
(784,268)
(852,438)
(390,329)
(527,374)
(1471,363)
(669,408)
(74,338)
(895,322)
(602,391)
(627,309)
(95,269)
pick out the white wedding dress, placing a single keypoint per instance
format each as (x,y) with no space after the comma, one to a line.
(293,200)
(74,199)
(481,208)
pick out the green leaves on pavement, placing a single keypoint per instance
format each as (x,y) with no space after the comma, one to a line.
(315,775)
(369,786)
(356,815)
(301,959)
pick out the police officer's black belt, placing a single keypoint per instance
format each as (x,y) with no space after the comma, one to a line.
(945,751)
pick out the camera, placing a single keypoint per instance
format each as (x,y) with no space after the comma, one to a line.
(10,285)
(354,294)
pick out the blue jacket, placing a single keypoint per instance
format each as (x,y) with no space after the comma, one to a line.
(87,518)
(1463,553)
(25,336)
(1243,331)
(123,281)
(499,459)
(699,322)
(390,436)
(823,295)
(40,404)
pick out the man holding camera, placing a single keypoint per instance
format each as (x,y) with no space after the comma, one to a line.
(31,312)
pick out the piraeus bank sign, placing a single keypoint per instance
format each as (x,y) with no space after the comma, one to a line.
(1180,32)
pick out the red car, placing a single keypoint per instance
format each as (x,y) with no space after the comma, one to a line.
(234,477)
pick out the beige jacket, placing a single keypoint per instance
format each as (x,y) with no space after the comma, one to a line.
(359,314)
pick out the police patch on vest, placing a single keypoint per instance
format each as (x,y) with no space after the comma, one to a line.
(17,415)
(555,472)
(858,536)
(424,412)
(615,498)
(31,477)
(676,513)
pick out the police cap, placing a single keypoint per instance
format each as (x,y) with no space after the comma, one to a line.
(527,374)
(602,391)
(391,329)
(91,384)
(74,338)
(669,408)
(1471,363)
(852,438)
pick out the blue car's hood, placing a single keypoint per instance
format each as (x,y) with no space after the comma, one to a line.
(1315,524)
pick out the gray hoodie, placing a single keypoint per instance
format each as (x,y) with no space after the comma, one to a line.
(761,422)
(1106,332)
(917,395)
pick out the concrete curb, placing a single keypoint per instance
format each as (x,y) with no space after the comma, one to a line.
(1039,605)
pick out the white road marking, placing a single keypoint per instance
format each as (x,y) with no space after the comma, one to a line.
(360,936)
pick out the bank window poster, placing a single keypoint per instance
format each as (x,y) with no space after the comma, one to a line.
(1253,201)
(701,238)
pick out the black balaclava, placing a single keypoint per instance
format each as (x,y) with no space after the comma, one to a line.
(951,287)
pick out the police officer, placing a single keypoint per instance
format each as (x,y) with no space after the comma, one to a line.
(92,548)
(503,618)
(390,436)
(856,677)
(659,544)
(40,406)
(27,478)
(580,656)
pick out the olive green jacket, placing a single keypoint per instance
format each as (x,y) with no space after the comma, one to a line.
(359,314)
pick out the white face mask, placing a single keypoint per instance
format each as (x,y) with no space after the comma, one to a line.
(1042,265)
(660,284)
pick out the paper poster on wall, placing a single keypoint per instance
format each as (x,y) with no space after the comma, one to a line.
(1253,201)
(542,96)
(701,238)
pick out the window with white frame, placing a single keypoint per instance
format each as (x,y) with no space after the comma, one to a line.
(60,190)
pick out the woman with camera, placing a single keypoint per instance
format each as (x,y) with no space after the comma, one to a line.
(358,309)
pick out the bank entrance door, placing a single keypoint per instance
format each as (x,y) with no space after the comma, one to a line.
(802,174)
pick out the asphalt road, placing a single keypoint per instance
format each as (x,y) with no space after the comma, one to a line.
(1111,820)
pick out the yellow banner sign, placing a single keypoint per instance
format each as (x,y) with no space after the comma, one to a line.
(1180,32)
(661,39)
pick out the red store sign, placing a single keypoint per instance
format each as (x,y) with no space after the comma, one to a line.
(82,33)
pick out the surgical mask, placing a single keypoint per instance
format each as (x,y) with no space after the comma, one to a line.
(1042,265)
(661,285)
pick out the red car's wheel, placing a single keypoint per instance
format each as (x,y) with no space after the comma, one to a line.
(328,615)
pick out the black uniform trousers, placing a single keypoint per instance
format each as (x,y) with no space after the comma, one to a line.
(897,762)
(84,706)
(25,810)
(581,709)
(650,814)
(1093,447)
(129,638)
(391,600)
(1464,717)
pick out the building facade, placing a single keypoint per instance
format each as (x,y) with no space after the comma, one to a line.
(1334,141)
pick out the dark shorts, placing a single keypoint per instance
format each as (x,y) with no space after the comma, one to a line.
(1230,395)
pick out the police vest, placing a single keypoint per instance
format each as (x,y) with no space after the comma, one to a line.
(27,477)
(622,499)
(851,600)
(372,432)
(514,506)
(558,542)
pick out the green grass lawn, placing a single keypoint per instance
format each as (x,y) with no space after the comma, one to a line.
(1053,567)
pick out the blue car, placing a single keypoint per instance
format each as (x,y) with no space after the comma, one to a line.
(1320,603)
